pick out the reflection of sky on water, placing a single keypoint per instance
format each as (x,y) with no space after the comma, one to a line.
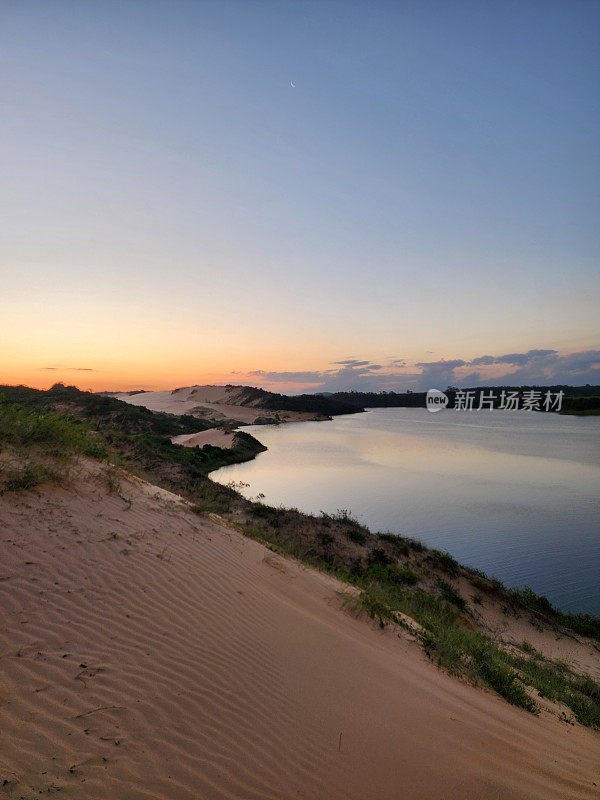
(515,494)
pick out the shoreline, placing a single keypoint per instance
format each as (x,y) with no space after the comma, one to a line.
(341,546)
(174,636)
(510,587)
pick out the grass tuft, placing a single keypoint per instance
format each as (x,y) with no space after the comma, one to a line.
(451,595)
(40,447)
(17,479)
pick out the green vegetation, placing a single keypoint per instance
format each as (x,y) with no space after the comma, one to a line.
(394,575)
(104,412)
(590,412)
(556,682)
(451,595)
(445,562)
(311,403)
(39,448)
(380,399)
(580,400)
(356,535)
(584,624)
(142,438)
(475,655)
(341,515)
(154,451)
(27,476)
(387,588)
(325,539)
(581,406)
(454,647)
(55,434)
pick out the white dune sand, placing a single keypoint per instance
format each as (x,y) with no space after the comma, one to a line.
(212,402)
(150,653)
(215,436)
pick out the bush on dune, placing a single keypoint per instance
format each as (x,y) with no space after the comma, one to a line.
(39,447)
(393,575)
(56,434)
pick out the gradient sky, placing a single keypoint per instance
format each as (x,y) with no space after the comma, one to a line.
(174,211)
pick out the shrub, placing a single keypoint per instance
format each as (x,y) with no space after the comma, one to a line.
(325,539)
(505,681)
(375,606)
(407,576)
(378,556)
(528,648)
(28,477)
(56,435)
(343,515)
(584,624)
(445,562)
(41,446)
(391,538)
(399,544)
(356,535)
(530,599)
(414,544)
(450,594)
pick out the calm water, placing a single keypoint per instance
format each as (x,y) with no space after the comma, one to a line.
(514,493)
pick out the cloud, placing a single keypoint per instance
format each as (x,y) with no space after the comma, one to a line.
(571,368)
(484,360)
(578,362)
(71,369)
(346,375)
(534,367)
(289,377)
(537,367)
(351,373)
(438,374)
(513,358)
(457,362)
(370,378)
(352,362)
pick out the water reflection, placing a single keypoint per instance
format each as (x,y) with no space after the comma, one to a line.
(515,494)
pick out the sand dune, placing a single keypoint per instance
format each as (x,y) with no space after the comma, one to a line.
(215,436)
(151,653)
(213,402)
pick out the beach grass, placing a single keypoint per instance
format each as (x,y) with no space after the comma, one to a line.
(387,591)
(38,448)
(394,575)
(473,654)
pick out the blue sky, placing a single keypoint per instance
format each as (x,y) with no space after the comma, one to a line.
(175,210)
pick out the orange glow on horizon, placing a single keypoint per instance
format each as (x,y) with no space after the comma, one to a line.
(124,380)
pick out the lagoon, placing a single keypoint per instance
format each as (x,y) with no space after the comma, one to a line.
(515,494)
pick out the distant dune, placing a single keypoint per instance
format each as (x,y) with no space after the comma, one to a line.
(244,404)
(149,652)
(215,436)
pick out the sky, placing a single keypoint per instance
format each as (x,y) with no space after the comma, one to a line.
(299,195)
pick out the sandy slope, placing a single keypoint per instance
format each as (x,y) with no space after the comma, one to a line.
(215,436)
(211,402)
(148,653)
